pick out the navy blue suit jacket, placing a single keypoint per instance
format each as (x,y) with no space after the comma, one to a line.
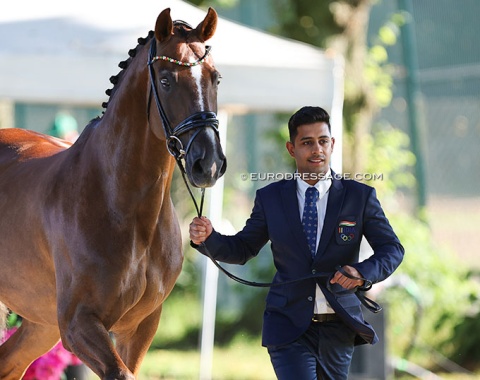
(352,211)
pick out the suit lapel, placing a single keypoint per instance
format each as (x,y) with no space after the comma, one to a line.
(292,214)
(334,205)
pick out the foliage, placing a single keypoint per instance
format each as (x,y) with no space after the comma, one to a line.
(389,155)
(312,22)
(214,3)
(431,292)
(378,70)
(463,345)
(181,321)
(241,314)
(431,295)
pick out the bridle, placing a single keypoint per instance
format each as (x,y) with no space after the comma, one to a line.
(196,122)
(201,120)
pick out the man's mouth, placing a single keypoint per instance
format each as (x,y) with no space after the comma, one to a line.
(317,160)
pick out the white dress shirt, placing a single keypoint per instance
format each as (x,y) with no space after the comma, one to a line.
(323,187)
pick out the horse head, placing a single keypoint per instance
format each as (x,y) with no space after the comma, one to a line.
(184,84)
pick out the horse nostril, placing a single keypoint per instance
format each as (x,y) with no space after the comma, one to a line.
(223,169)
(216,170)
(197,166)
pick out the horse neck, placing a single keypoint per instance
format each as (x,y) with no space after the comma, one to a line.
(135,164)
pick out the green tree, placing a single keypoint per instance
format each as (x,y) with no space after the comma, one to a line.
(340,26)
(214,3)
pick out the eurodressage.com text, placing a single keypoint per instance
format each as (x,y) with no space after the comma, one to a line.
(311,176)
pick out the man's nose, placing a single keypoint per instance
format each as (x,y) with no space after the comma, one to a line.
(317,148)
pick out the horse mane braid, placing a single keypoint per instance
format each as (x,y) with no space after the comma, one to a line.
(114,79)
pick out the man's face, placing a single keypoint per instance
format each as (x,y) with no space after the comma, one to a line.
(312,149)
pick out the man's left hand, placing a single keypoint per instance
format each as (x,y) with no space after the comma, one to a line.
(346,282)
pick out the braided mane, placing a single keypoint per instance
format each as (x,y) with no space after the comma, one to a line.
(182,26)
(114,79)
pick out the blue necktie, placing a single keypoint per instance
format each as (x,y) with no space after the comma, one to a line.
(310,218)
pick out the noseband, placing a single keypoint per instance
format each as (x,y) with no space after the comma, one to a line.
(195,122)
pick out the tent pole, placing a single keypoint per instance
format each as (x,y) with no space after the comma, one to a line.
(210,277)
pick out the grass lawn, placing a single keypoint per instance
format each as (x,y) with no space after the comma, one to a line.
(242,361)
(239,361)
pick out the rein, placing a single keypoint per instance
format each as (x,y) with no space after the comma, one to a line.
(175,148)
(359,290)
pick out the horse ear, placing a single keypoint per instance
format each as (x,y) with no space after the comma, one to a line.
(206,29)
(164,26)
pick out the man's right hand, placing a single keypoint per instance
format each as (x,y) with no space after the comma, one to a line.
(200,229)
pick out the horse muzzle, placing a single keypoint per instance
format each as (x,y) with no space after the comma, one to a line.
(205,171)
(205,161)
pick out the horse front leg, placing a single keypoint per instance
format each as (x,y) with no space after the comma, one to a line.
(86,336)
(133,346)
(29,342)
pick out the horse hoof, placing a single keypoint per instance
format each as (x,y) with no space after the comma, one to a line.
(119,375)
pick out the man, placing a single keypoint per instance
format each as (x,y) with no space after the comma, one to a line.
(310,327)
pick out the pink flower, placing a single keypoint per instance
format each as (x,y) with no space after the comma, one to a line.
(4,335)
(51,365)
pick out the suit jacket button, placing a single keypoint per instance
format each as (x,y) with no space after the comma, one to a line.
(314,271)
(310,298)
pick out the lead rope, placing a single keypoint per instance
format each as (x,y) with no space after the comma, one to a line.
(198,208)
(359,291)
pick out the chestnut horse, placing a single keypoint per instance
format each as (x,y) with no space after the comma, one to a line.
(90,244)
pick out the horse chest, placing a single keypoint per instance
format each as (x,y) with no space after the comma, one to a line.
(153,279)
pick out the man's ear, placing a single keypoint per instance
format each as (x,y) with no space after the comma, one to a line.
(291,148)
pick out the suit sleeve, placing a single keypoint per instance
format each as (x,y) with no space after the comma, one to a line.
(387,250)
(241,247)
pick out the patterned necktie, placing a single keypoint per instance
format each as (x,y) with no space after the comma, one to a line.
(310,218)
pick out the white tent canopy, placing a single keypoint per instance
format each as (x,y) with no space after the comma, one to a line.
(64,52)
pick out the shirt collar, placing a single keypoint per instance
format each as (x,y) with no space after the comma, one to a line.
(322,185)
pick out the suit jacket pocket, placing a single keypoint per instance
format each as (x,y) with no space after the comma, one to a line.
(347,231)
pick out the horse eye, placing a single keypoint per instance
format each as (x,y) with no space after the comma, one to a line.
(165,83)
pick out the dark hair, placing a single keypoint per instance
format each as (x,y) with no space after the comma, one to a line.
(307,115)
